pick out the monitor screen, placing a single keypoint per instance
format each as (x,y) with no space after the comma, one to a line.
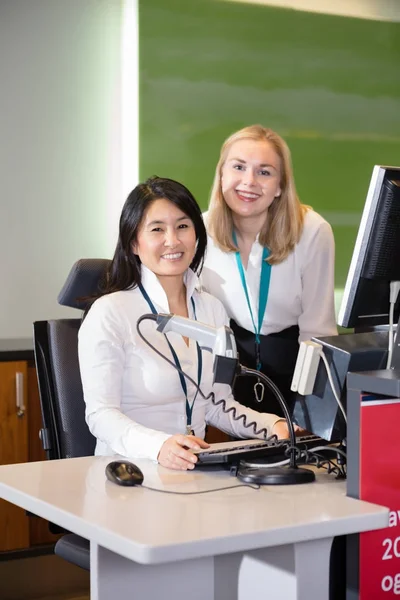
(376,257)
(319,412)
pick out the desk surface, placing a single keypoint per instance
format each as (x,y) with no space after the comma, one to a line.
(153,527)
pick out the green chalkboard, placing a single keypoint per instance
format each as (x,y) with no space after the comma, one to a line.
(330,85)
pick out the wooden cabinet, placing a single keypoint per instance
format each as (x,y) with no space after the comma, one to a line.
(20,422)
(14,524)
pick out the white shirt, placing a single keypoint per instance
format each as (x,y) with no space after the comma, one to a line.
(301,288)
(134,399)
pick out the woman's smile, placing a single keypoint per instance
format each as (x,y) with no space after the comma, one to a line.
(174,256)
(247,196)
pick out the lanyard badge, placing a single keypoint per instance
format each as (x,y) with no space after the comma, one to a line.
(265,277)
(189,407)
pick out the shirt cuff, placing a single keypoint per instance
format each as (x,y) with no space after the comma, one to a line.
(156,445)
(276,421)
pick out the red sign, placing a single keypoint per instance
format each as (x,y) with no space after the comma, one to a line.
(380,484)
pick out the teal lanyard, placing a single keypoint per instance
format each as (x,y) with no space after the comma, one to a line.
(189,407)
(265,278)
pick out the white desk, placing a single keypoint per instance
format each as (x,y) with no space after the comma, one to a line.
(230,545)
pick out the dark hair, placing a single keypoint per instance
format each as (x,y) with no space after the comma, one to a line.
(124,271)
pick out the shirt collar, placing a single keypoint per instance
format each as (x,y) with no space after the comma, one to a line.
(256,241)
(156,292)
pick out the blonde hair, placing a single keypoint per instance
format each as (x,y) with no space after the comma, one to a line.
(284,225)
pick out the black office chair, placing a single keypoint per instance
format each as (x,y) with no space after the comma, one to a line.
(65,433)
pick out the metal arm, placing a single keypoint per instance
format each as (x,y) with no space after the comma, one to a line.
(218,340)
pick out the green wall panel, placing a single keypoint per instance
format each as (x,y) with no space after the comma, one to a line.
(330,85)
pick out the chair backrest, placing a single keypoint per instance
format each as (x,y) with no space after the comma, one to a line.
(83,281)
(65,433)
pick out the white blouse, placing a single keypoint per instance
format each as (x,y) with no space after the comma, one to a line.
(301,288)
(134,399)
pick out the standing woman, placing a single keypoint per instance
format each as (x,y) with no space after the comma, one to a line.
(270,260)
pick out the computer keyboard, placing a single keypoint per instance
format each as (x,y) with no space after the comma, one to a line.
(234,452)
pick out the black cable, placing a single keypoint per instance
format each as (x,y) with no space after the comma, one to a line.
(338,465)
(243,417)
(304,456)
(334,449)
(312,457)
(321,462)
(331,468)
(231,487)
(211,395)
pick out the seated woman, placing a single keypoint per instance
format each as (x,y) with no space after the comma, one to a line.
(137,405)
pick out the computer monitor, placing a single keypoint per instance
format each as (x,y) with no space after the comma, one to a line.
(376,257)
(319,412)
(365,306)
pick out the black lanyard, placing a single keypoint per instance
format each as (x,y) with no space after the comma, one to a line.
(189,408)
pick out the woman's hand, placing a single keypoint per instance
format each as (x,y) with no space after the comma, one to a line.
(280,429)
(174,452)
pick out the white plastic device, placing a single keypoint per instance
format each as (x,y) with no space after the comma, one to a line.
(306,368)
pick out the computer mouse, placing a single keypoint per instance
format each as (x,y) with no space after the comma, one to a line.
(123,472)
